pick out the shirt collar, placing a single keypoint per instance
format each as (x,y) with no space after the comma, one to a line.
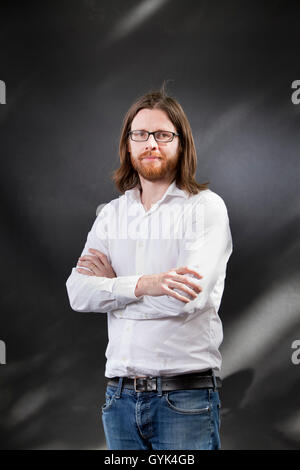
(173,190)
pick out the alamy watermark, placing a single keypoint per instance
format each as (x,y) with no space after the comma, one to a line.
(296,94)
(2,92)
(296,354)
(2,343)
(171,222)
(2,352)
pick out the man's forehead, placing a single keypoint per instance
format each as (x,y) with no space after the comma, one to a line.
(151,117)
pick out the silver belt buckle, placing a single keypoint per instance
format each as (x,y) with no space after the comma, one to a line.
(135,379)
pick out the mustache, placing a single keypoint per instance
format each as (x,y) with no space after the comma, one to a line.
(150,154)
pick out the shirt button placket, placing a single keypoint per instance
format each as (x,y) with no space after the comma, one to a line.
(140,253)
(125,342)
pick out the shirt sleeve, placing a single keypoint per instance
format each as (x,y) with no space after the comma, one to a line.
(205,248)
(95,293)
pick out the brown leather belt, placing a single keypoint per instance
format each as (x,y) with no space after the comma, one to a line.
(205,379)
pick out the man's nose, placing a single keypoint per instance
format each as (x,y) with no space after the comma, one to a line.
(151,142)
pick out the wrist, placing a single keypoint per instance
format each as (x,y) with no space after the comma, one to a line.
(139,288)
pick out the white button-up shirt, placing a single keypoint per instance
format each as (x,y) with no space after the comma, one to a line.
(158,335)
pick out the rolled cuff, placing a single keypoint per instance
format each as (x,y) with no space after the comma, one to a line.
(124,287)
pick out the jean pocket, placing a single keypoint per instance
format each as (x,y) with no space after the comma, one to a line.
(109,398)
(189,401)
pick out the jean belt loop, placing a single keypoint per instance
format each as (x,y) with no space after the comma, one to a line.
(159,388)
(119,389)
(214,381)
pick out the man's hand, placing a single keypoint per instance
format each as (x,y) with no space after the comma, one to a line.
(97,263)
(164,283)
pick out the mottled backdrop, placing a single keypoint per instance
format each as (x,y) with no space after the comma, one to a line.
(72,69)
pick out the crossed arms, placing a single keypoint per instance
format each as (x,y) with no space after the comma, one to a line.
(94,287)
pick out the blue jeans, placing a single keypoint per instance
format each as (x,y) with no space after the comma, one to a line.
(177,420)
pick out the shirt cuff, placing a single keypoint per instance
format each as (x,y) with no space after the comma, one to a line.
(124,287)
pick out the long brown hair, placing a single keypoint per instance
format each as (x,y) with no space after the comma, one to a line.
(126,177)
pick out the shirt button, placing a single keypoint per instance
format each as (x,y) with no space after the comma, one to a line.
(141,243)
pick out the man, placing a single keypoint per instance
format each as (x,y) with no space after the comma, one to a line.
(155,261)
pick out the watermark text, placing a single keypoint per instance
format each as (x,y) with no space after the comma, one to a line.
(296,354)
(2,92)
(296,94)
(2,352)
(172,222)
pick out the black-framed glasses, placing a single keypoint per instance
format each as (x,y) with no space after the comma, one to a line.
(159,136)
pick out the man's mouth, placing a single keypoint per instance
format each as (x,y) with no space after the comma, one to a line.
(151,157)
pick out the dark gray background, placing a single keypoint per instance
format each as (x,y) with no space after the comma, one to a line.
(72,69)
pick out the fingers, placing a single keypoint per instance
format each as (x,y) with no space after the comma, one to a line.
(91,258)
(85,271)
(90,262)
(181,286)
(100,255)
(177,296)
(186,280)
(186,269)
(97,262)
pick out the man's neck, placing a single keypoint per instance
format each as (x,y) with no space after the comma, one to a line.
(152,191)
